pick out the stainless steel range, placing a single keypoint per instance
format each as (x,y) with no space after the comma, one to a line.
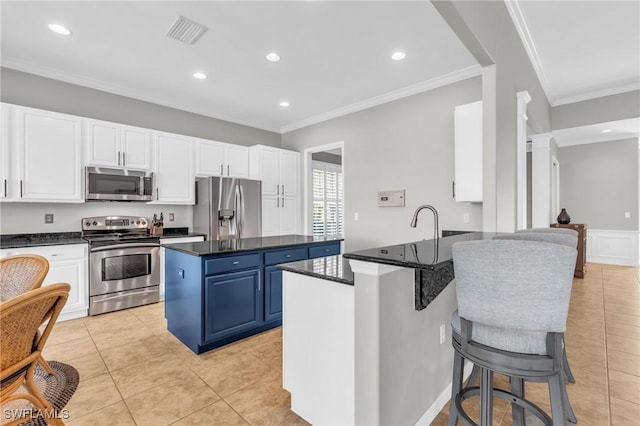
(124,263)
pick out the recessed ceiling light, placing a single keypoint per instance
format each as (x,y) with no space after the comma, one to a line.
(607,131)
(199,76)
(398,56)
(273,57)
(284,104)
(57,28)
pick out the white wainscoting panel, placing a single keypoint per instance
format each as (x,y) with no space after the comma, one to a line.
(613,247)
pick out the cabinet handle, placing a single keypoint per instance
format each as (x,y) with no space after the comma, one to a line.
(20,188)
(228,173)
(118,158)
(287,255)
(236,262)
(157,193)
(453,188)
(278,199)
(221,172)
(124,162)
(282,189)
(5,188)
(282,201)
(277,189)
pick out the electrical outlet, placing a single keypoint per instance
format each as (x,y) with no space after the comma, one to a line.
(172,217)
(443,333)
(48,218)
(627,215)
(466,218)
(355,216)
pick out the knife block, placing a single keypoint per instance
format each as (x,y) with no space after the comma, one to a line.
(156,229)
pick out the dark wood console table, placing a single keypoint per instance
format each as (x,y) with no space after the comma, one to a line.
(581,261)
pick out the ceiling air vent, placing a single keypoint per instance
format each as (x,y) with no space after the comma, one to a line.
(186,31)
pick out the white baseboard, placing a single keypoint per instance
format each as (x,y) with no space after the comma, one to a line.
(442,399)
(613,247)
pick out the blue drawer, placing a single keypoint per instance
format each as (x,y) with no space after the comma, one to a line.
(324,250)
(231,263)
(275,257)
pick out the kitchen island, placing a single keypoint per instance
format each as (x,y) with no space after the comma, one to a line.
(220,291)
(374,347)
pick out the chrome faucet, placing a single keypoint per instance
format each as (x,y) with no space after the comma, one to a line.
(414,221)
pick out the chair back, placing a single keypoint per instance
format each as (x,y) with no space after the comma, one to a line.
(563,239)
(20,319)
(565,231)
(21,273)
(523,285)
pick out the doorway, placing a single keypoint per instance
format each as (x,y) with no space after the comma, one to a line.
(324,194)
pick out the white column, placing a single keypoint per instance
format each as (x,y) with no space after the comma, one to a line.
(541,180)
(523,98)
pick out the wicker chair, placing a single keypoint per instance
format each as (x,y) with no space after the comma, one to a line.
(22,344)
(19,274)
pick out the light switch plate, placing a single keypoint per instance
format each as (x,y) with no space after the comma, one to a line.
(391,198)
(48,218)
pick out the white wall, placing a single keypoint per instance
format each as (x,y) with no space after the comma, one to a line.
(406,144)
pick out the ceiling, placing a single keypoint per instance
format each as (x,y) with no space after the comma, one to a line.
(335,56)
(601,132)
(581,49)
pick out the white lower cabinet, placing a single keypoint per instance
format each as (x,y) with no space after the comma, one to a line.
(168,241)
(67,264)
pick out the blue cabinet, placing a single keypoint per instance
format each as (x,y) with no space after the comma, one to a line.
(272,293)
(232,303)
(215,299)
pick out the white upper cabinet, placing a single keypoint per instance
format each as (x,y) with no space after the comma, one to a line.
(278,169)
(44,154)
(468,152)
(4,151)
(173,169)
(117,145)
(221,159)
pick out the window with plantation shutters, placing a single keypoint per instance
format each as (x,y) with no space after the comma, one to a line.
(327,199)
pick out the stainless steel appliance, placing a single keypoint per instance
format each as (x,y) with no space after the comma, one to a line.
(106,184)
(228,208)
(124,263)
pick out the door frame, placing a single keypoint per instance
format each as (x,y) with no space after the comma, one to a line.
(308,180)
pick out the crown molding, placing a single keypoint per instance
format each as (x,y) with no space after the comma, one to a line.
(434,83)
(597,94)
(517,17)
(97,84)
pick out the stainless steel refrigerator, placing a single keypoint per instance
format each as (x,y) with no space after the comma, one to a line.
(228,208)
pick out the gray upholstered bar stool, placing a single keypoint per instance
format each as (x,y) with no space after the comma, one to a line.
(513,301)
(565,231)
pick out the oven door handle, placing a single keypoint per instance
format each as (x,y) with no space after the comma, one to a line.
(123,246)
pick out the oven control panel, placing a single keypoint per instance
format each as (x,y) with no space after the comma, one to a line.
(113,223)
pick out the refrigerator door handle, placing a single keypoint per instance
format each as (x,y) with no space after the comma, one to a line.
(239,209)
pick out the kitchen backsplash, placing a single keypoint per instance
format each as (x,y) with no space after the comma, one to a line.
(19,218)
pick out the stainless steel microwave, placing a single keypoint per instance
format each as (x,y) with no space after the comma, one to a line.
(106,184)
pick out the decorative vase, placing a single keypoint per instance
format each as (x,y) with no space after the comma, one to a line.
(564,217)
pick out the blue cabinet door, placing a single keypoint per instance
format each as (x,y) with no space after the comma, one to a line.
(272,293)
(233,303)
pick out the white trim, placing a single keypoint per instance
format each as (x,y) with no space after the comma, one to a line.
(556,183)
(613,247)
(307,220)
(596,94)
(434,83)
(444,397)
(523,98)
(372,268)
(523,31)
(541,180)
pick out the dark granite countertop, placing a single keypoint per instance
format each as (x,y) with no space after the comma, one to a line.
(205,248)
(44,239)
(425,254)
(333,268)
(178,233)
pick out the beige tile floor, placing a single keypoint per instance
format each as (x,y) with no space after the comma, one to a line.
(134,372)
